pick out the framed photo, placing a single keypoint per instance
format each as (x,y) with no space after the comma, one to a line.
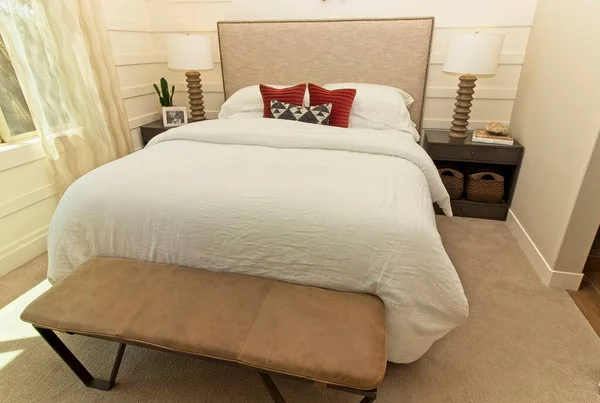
(174,116)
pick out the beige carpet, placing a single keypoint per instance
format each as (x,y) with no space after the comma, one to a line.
(522,343)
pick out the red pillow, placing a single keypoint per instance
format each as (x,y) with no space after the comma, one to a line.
(340,99)
(292,95)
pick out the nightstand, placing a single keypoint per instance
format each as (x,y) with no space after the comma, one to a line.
(468,157)
(151,130)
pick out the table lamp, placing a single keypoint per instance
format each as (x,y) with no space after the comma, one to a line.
(470,55)
(191,53)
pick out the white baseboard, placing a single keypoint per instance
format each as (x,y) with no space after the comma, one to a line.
(549,277)
(22,251)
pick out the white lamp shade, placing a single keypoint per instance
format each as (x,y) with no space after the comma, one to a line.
(189,52)
(473,53)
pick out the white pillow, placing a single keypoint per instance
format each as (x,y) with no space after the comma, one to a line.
(379,107)
(248,99)
(246,115)
(385,90)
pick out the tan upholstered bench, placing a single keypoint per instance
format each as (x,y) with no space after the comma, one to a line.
(335,339)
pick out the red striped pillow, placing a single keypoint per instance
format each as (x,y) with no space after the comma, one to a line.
(292,95)
(341,99)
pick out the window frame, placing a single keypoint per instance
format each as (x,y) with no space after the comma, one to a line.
(6,135)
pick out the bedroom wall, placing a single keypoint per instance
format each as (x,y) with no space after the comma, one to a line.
(495,95)
(139,57)
(555,212)
(27,201)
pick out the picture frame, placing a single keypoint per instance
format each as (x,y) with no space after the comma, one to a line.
(174,116)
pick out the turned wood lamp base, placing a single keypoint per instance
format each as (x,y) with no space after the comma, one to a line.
(194,85)
(462,110)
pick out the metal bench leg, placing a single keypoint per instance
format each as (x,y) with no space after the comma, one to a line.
(76,366)
(271,388)
(369,395)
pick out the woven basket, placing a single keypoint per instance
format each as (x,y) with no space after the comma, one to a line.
(487,187)
(453,181)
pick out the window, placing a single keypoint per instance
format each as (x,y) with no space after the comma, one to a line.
(15,118)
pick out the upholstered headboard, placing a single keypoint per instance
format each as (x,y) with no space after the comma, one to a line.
(392,52)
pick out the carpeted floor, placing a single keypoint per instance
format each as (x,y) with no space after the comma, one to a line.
(522,343)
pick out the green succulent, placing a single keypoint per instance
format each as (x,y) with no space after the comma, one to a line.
(164,97)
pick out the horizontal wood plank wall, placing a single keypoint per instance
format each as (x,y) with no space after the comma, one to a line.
(140,58)
(137,34)
(27,201)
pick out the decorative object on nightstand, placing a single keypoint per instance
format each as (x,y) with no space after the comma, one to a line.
(494,133)
(174,116)
(191,53)
(472,158)
(482,136)
(470,55)
(164,97)
(497,129)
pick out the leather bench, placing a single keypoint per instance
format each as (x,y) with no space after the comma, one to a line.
(335,339)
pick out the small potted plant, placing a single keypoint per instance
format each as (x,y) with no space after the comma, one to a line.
(164,97)
(172,115)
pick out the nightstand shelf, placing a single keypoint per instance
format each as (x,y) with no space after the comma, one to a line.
(468,157)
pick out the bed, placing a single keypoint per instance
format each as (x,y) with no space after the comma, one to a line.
(344,209)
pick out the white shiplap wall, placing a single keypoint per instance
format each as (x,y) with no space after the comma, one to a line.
(137,41)
(27,200)
(136,29)
(139,57)
(495,95)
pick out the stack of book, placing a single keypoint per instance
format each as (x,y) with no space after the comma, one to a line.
(482,136)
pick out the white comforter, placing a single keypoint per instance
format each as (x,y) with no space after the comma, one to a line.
(346,209)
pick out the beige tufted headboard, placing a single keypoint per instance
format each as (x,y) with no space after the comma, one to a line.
(392,52)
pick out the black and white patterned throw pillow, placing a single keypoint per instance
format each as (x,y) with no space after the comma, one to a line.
(318,114)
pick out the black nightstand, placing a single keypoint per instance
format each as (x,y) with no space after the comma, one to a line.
(468,157)
(151,130)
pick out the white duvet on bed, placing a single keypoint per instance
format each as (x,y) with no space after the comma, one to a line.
(346,209)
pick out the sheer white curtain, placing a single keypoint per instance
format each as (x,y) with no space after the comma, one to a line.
(61,54)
